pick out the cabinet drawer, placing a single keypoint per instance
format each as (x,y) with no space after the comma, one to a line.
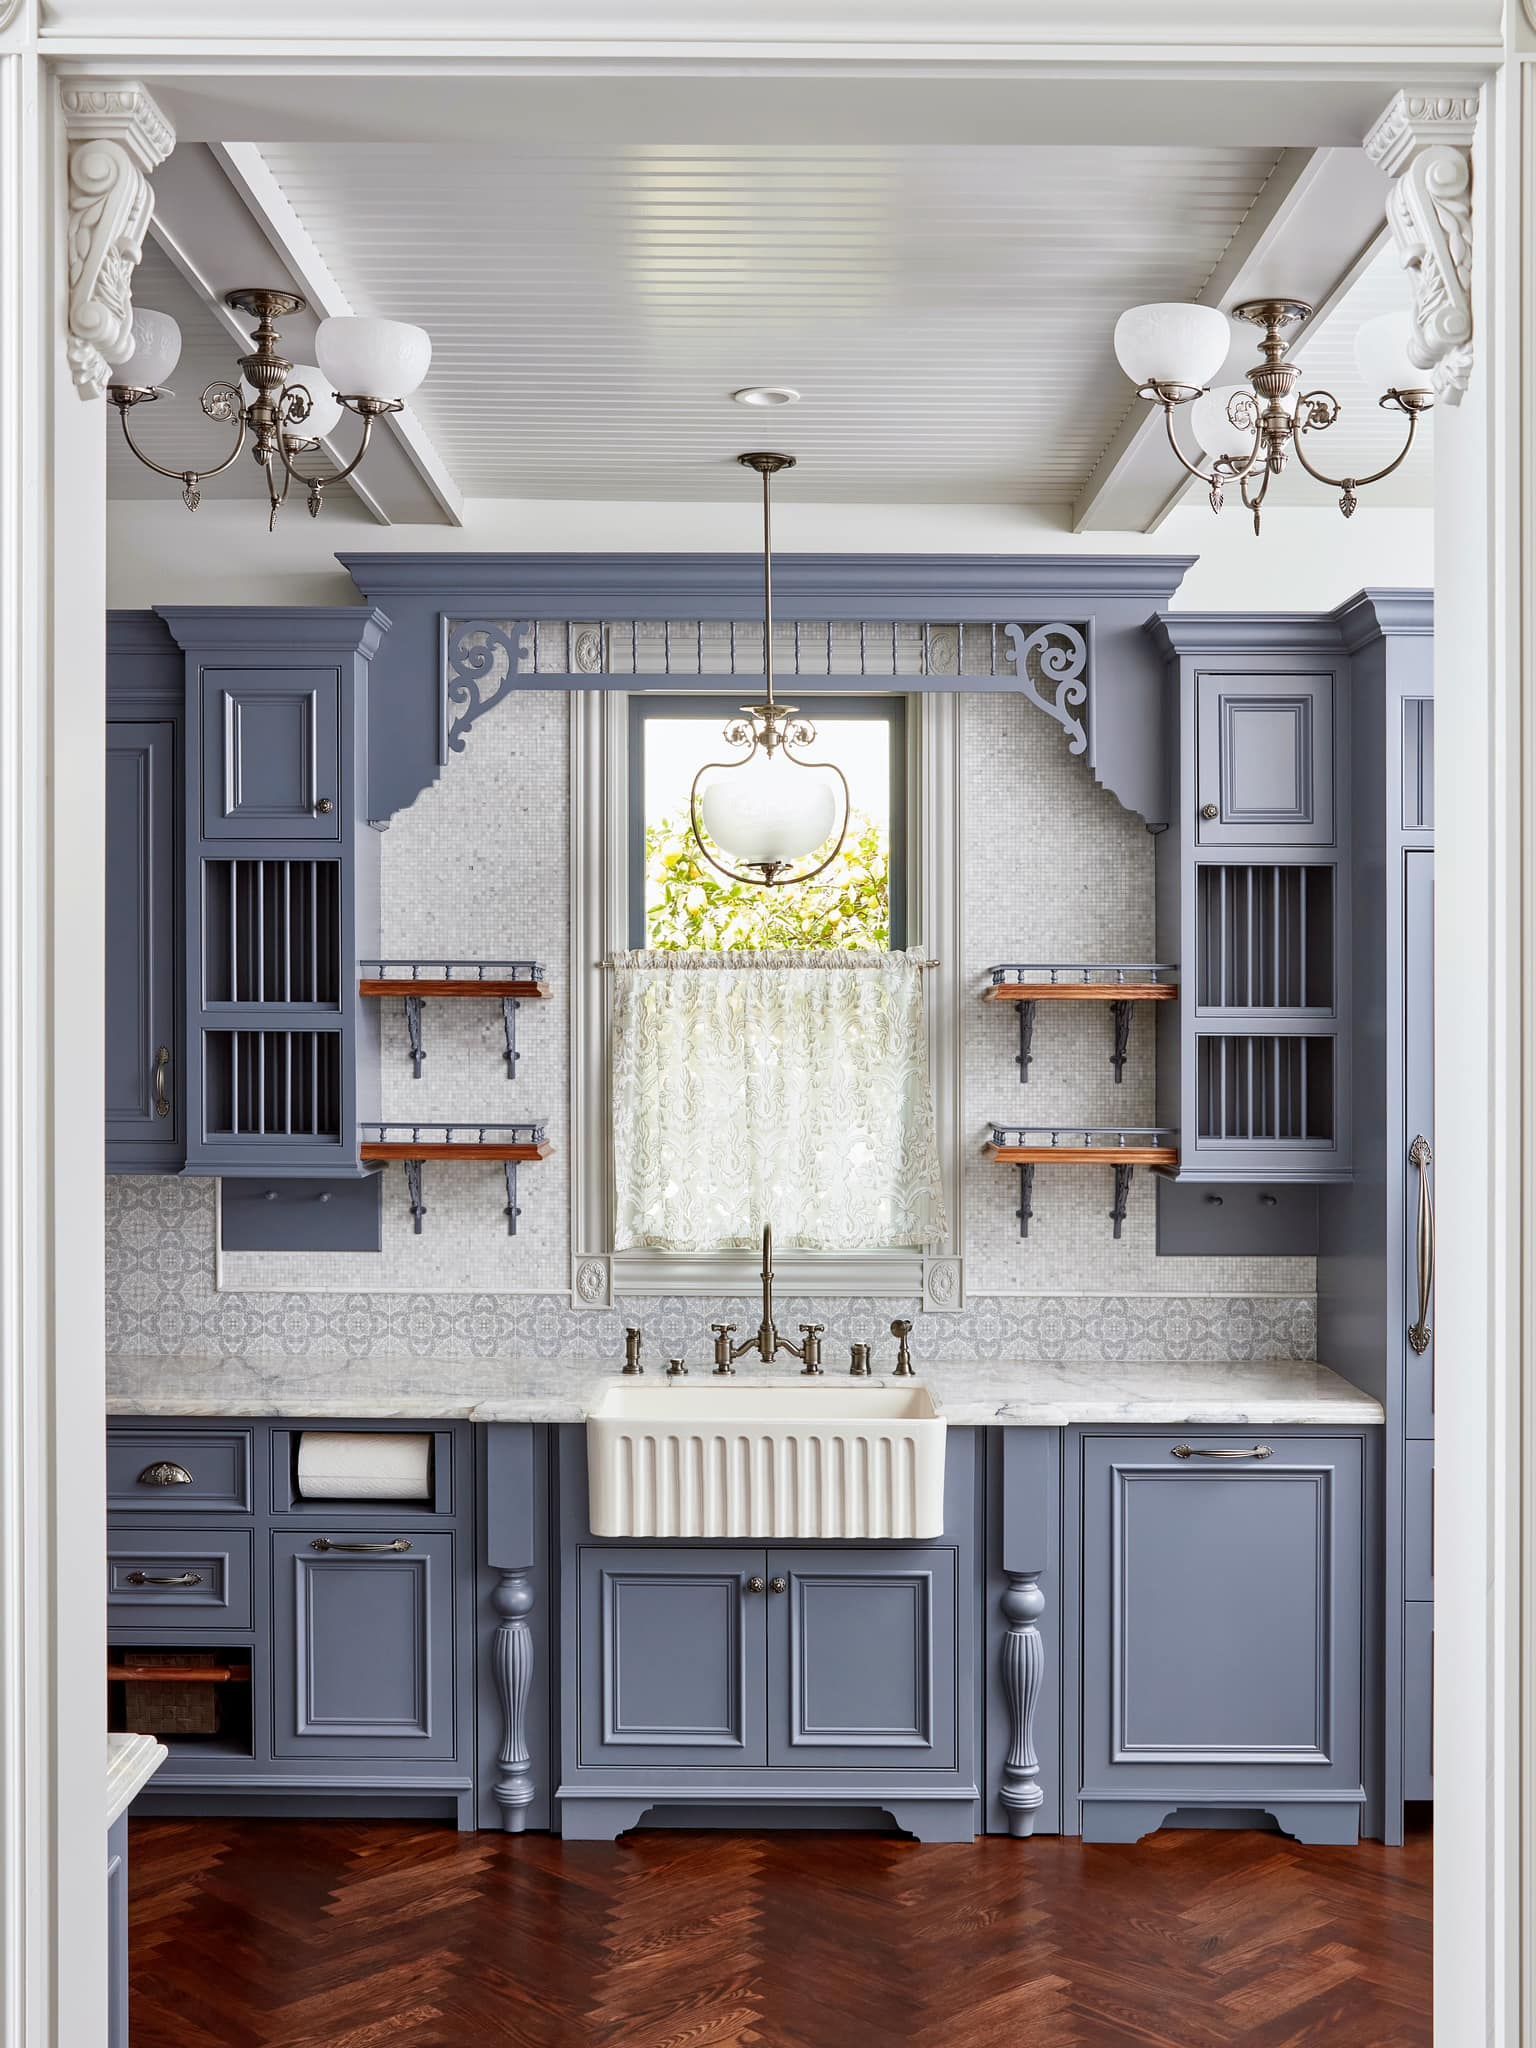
(1221,1613)
(176,1472)
(169,1578)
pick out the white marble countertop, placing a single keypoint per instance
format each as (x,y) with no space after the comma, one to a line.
(995,1391)
(132,1760)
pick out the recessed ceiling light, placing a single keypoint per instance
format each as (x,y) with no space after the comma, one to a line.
(767,394)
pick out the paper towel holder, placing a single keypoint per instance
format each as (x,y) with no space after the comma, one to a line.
(448,1455)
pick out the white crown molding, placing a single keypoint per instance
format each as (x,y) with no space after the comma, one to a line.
(1423,142)
(117,135)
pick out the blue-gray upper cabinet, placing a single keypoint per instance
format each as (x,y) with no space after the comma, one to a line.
(146,716)
(364,1632)
(144,1123)
(672,1657)
(1222,1589)
(863,1658)
(282,889)
(1264,745)
(271,743)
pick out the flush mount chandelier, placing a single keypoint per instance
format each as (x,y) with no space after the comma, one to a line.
(754,810)
(1171,352)
(286,409)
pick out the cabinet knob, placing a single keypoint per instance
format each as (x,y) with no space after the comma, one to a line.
(325,806)
(778,1585)
(754,1584)
(1210,813)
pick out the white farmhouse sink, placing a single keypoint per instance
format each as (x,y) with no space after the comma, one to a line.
(819,1458)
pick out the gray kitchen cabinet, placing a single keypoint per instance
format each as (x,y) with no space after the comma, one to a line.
(177,1579)
(363,1643)
(1264,766)
(145,1113)
(1222,1586)
(270,746)
(673,1656)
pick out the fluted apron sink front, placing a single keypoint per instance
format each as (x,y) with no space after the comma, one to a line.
(831,1459)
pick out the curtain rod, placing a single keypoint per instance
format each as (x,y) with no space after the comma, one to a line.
(772,959)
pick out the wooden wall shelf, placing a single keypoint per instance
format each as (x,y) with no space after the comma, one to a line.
(1027,982)
(1027,1146)
(507,1145)
(509,982)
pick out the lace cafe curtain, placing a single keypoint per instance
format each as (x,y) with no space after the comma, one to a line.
(782,1088)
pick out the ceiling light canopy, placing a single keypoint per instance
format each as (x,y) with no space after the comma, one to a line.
(1173,352)
(364,366)
(771,806)
(767,395)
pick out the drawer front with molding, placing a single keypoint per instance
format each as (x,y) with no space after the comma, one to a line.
(166,1578)
(171,1472)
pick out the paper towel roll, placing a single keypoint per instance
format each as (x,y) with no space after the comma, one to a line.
(362,1466)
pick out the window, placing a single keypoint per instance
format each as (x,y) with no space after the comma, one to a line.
(678,903)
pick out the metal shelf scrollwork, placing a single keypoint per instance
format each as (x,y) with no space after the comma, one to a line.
(1122,1147)
(512,1145)
(1116,983)
(511,982)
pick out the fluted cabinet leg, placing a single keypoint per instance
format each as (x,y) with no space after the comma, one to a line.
(1022,1603)
(512,1601)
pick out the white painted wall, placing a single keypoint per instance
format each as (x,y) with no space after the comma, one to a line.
(1307,559)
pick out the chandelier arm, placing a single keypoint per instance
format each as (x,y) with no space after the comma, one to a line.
(185,477)
(320,483)
(1346,483)
(1257,498)
(1219,477)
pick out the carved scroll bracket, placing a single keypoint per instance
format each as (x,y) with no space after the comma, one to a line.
(482,660)
(1424,144)
(1050,662)
(117,135)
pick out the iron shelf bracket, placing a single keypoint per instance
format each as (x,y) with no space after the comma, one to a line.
(413,1031)
(413,1193)
(1123,1175)
(1120,1015)
(1120,984)
(508,1145)
(509,1166)
(1026,1207)
(509,1010)
(1122,1148)
(1025,1052)
(511,982)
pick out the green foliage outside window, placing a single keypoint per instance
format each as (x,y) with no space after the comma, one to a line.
(691,909)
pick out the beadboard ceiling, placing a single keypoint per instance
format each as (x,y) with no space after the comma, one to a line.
(945,310)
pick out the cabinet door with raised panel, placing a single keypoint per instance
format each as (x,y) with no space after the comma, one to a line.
(671,1657)
(1264,756)
(145,1131)
(862,1658)
(363,1643)
(270,753)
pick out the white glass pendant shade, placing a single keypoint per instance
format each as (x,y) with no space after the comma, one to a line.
(769,810)
(1172,344)
(324,409)
(1382,358)
(156,351)
(1212,425)
(365,358)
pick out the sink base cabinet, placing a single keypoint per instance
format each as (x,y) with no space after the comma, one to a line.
(726,1679)
(1221,1597)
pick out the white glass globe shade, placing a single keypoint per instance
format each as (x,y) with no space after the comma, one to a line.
(769,810)
(156,351)
(324,407)
(372,358)
(1212,426)
(1172,344)
(1382,358)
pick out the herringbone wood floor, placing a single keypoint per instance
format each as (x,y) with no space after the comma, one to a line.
(252,1934)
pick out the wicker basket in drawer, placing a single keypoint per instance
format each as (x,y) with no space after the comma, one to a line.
(160,1703)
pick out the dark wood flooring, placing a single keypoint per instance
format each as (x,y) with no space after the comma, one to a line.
(251,1934)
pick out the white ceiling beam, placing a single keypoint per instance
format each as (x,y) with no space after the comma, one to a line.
(1318,221)
(219,234)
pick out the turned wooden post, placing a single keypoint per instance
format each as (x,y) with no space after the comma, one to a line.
(512,1602)
(1023,1676)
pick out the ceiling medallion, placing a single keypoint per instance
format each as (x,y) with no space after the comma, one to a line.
(286,409)
(1171,352)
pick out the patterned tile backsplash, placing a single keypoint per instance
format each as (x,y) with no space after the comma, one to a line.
(161,1300)
(1053,870)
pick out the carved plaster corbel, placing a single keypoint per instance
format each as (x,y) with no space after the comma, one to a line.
(117,135)
(1424,144)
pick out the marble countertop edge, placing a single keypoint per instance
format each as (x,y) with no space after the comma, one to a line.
(132,1760)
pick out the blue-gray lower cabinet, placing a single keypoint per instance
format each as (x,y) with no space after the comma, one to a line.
(764,1682)
(1221,1600)
(363,1652)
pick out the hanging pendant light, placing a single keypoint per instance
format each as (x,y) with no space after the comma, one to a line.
(763,811)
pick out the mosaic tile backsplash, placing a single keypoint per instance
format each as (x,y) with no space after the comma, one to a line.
(162,1301)
(1053,870)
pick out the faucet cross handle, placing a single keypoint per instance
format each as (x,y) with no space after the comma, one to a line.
(723,1335)
(810,1350)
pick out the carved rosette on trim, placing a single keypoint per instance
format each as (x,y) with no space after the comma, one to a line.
(1424,144)
(592,1284)
(117,135)
(943,1286)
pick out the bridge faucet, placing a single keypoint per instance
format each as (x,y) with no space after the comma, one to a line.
(767,1342)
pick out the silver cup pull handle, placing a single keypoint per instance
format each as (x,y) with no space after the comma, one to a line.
(1422,1156)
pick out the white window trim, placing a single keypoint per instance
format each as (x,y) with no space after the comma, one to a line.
(599,784)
